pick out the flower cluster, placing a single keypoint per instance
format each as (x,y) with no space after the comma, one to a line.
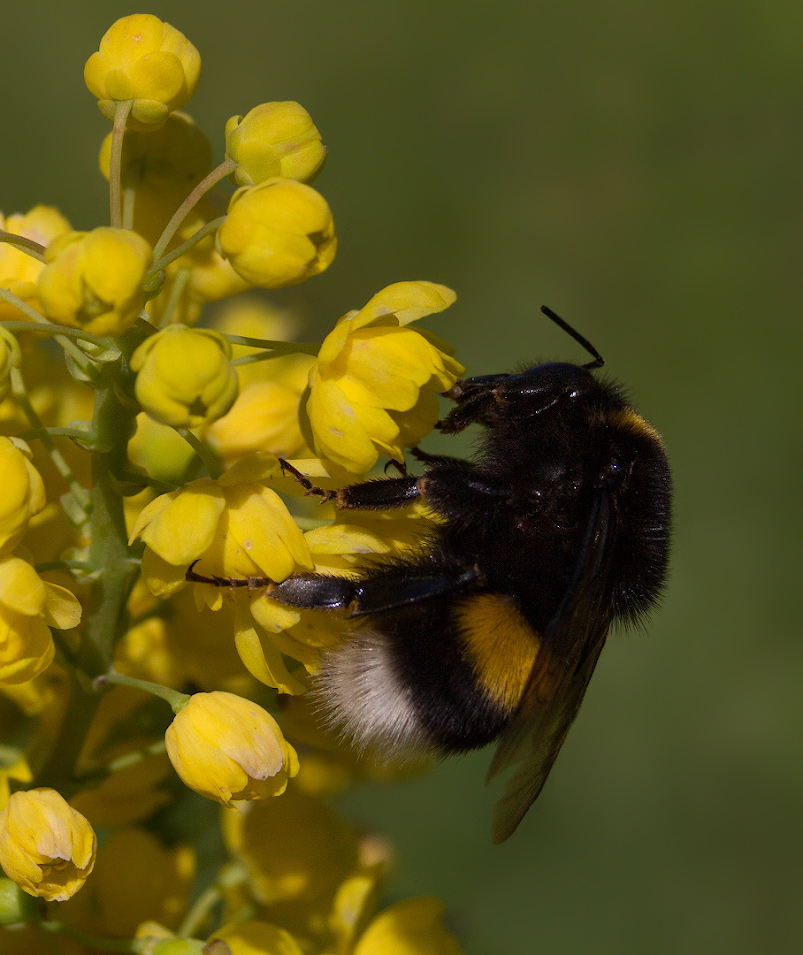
(142,441)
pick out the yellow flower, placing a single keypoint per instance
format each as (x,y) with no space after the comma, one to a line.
(46,847)
(135,878)
(278,233)
(274,139)
(29,606)
(147,61)
(265,415)
(23,492)
(257,938)
(226,747)
(19,271)
(297,851)
(93,280)
(234,527)
(184,376)
(10,357)
(412,926)
(373,388)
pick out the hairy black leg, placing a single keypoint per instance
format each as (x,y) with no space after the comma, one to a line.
(382,591)
(368,495)
(433,460)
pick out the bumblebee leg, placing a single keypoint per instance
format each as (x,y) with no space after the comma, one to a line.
(474,398)
(360,597)
(366,496)
(432,460)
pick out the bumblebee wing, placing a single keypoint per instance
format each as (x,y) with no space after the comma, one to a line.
(562,670)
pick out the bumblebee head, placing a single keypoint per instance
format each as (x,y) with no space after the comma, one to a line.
(498,400)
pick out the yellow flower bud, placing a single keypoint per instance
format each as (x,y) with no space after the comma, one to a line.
(29,606)
(373,389)
(18,270)
(23,492)
(184,376)
(46,847)
(226,747)
(257,938)
(274,139)
(147,61)
(414,925)
(278,233)
(93,280)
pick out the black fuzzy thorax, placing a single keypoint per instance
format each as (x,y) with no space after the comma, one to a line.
(519,515)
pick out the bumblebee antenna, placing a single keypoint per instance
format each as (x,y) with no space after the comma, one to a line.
(599,361)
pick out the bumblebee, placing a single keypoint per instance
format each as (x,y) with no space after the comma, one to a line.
(556,530)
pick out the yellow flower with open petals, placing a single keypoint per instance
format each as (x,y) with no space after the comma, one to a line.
(147,61)
(233,527)
(29,606)
(227,747)
(23,492)
(46,847)
(373,388)
(18,270)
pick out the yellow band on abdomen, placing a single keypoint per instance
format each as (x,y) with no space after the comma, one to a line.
(500,645)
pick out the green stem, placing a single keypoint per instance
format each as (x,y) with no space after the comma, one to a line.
(182,280)
(24,307)
(78,356)
(82,566)
(43,327)
(224,169)
(201,909)
(176,700)
(193,240)
(116,162)
(84,438)
(24,244)
(231,875)
(211,463)
(106,618)
(129,201)
(283,348)
(92,779)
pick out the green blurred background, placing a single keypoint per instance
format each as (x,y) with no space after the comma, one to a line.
(637,167)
